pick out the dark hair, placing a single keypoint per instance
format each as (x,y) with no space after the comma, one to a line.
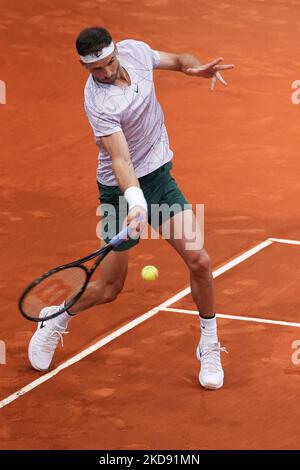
(92,40)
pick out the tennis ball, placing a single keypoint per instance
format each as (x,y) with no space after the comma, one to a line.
(149,273)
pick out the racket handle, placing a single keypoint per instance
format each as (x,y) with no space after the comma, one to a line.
(124,234)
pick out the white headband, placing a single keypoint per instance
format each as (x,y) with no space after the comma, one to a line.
(99,55)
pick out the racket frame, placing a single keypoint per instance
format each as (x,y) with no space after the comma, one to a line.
(100,254)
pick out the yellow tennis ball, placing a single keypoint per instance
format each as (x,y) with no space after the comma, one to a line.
(149,273)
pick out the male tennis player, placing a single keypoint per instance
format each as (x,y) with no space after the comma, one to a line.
(134,163)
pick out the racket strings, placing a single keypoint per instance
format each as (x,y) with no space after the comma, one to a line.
(54,289)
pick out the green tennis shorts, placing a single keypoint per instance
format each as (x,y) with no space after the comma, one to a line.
(163,196)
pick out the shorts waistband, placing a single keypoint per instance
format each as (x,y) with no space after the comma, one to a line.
(167,166)
(143,179)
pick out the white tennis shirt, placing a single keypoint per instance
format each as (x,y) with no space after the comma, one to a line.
(134,110)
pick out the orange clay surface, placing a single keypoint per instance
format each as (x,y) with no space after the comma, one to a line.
(236,150)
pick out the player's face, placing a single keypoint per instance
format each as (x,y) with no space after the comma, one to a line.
(105,70)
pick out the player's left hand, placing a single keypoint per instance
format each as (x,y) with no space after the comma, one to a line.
(210,70)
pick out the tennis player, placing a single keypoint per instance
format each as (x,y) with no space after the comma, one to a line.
(135,160)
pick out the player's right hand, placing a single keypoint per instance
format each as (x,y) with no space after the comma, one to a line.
(137,219)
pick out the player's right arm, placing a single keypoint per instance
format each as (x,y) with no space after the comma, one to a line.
(117,147)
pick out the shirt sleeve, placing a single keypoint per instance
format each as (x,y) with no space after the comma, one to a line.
(150,54)
(156,58)
(102,123)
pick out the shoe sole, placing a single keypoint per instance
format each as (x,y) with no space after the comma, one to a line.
(210,386)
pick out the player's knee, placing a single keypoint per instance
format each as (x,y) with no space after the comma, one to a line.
(200,264)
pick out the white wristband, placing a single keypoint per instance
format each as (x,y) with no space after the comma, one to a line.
(135,197)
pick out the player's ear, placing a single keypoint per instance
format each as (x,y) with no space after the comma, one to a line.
(82,63)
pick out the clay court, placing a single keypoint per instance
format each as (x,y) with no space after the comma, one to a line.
(127,376)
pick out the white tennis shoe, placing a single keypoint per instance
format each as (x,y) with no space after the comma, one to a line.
(43,343)
(211,375)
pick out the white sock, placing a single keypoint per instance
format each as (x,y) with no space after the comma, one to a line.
(208,330)
(63,319)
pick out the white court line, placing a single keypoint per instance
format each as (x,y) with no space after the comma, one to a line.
(241,258)
(120,331)
(283,240)
(235,317)
(86,352)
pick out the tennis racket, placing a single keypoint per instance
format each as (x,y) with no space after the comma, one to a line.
(65,284)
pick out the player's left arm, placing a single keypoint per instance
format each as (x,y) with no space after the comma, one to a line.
(190,65)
